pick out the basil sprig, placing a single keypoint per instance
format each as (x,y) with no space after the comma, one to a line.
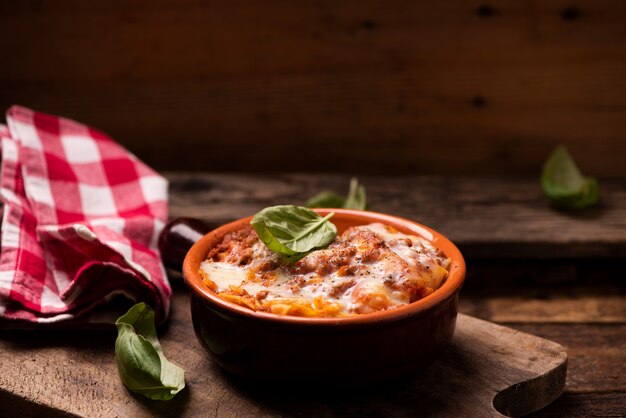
(293,231)
(356,199)
(140,361)
(326,199)
(564,184)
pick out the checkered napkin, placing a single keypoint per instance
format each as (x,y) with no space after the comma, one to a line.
(81,218)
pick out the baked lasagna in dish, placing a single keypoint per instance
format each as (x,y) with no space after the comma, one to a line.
(366,269)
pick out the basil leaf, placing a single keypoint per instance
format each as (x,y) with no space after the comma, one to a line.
(357,198)
(565,185)
(140,361)
(326,199)
(293,231)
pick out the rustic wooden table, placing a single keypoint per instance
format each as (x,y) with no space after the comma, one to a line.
(556,275)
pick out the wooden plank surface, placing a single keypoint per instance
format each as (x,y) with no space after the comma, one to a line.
(487,218)
(521,372)
(455,86)
(578,303)
(532,292)
(600,405)
(596,367)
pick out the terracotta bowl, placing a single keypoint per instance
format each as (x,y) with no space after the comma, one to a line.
(364,348)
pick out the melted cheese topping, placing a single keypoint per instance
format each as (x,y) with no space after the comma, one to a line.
(367,269)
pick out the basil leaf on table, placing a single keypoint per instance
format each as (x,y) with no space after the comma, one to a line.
(356,199)
(293,231)
(565,185)
(140,361)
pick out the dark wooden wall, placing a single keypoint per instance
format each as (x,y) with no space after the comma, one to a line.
(485,86)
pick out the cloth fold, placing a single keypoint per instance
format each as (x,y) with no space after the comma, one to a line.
(80,222)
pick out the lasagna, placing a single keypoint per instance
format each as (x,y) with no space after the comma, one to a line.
(366,269)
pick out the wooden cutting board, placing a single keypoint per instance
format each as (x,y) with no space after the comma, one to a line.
(488,370)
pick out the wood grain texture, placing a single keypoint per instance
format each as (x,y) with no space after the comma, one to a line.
(573,309)
(597,358)
(78,375)
(578,303)
(539,292)
(455,86)
(486,218)
(600,405)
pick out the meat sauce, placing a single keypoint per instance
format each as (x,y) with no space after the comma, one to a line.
(366,269)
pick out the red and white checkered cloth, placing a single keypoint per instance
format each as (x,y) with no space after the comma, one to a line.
(80,224)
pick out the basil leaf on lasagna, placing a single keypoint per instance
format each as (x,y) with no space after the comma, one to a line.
(565,185)
(141,363)
(293,231)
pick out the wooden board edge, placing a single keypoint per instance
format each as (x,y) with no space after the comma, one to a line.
(532,395)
